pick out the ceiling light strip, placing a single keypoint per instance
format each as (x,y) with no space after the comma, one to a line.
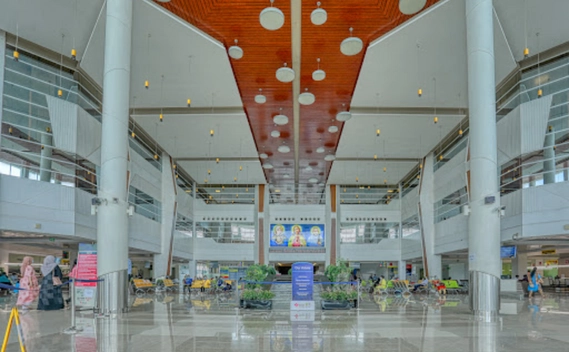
(296,29)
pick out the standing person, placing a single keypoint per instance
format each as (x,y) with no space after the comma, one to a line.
(28,284)
(534,283)
(51,297)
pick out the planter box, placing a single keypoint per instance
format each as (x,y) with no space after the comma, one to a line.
(337,305)
(256,304)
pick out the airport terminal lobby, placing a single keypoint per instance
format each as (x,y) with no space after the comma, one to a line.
(284,175)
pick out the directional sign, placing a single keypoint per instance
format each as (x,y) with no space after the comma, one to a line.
(302,281)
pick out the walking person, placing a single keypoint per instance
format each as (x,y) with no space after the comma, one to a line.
(534,283)
(51,297)
(28,290)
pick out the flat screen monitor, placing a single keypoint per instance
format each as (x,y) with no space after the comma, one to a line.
(508,252)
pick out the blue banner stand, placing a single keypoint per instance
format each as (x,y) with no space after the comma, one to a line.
(302,286)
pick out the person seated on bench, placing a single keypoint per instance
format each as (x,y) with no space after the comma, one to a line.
(424,283)
(227,286)
(219,282)
(440,286)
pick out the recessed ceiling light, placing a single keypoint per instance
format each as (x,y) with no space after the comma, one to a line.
(280,119)
(318,16)
(313,180)
(263,156)
(306,98)
(272,18)
(352,45)
(235,51)
(330,157)
(267,166)
(275,134)
(320,150)
(333,129)
(283,149)
(285,74)
(410,7)
(344,116)
(318,75)
(260,98)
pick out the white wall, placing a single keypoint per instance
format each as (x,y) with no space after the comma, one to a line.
(208,249)
(386,250)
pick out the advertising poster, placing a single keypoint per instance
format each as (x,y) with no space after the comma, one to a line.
(85,292)
(297,236)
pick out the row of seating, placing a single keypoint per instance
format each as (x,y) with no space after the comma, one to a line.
(403,287)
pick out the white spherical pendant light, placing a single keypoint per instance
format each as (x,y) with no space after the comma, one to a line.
(318,16)
(306,98)
(260,98)
(333,129)
(284,149)
(280,119)
(330,157)
(285,74)
(235,52)
(275,134)
(410,7)
(272,18)
(344,116)
(320,150)
(352,45)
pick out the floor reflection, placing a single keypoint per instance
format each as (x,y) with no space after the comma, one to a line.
(383,323)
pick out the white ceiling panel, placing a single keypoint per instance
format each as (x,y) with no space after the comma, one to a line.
(402,136)
(522,19)
(194,65)
(394,68)
(224,172)
(369,172)
(188,136)
(43,22)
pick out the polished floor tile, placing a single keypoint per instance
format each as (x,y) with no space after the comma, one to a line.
(168,323)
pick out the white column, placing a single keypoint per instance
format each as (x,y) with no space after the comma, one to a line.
(549,157)
(163,259)
(520,263)
(112,220)
(484,222)
(432,262)
(46,154)
(2,62)
(402,270)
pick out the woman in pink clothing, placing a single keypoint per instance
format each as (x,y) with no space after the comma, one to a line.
(28,291)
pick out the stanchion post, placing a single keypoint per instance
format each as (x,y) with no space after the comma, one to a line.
(73,329)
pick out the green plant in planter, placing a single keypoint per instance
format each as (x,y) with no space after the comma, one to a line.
(289,273)
(257,294)
(339,295)
(258,273)
(338,273)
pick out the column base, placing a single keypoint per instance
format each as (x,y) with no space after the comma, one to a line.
(484,294)
(112,293)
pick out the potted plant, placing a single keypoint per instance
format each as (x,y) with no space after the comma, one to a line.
(257,298)
(257,295)
(337,295)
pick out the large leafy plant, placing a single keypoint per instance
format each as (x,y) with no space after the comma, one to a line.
(339,295)
(339,272)
(257,294)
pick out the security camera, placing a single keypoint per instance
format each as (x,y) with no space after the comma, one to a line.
(502,211)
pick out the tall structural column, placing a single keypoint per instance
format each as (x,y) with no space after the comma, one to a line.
(484,222)
(46,154)
(520,262)
(163,261)
(549,157)
(112,219)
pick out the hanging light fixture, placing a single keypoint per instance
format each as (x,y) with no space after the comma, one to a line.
(352,45)
(377,132)
(235,51)
(435,119)
(272,18)
(411,7)
(284,149)
(285,74)
(343,116)
(539,90)
(333,129)
(318,16)
(161,116)
(208,171)
(419,90)
(526,49)
(147,82)
(60,90)
(263,156)
(211,133)
(318,74)
(189,102)
(217,160)
(330,157)
(260,98)
(16,54)
(280,119)
(384,169)
(375,157)
(306,98)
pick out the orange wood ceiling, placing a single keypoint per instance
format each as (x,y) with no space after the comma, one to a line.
(265,51)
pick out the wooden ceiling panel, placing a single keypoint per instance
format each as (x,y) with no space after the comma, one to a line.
(265,51)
